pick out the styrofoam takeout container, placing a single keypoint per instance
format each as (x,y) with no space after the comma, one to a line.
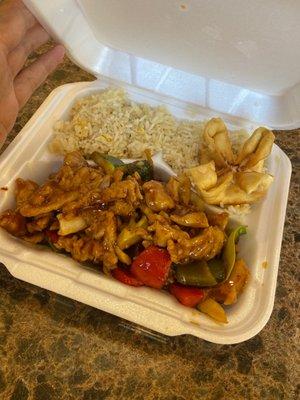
(77,25)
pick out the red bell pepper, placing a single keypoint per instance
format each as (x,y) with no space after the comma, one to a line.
(52,236)
(125,277)
(152,267)
(187,295)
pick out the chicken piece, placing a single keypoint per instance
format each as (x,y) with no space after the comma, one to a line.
(122,256)
(165,232)
(48,198)
(89,195)
(122,208)
(192,220)
(157,199)
(110,258)
(24,190)
(39,223)
(103,225)
(34,238)
(128,189)
(83,179)
(228,291)
(75,160)
(77,174)
(13,222)
(87,179)
(63,177)
(54,226)
(184,190)
(118,175)
(172,188)
(147,243)
(81,248)
(181,210)
(208,244)
(74,185)
(96,230)
(220,220)
(179,189)
(133,233)
(204,246)
(148,212)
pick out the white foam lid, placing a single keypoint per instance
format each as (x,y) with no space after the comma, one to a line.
(233,57)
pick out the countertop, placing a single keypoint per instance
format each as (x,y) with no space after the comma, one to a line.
(54,348)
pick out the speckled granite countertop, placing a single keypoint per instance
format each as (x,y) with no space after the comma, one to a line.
(55,348)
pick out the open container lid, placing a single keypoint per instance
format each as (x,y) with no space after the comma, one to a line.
(233,57)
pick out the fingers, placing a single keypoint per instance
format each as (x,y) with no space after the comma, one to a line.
(15,20)
(3,134)
(33,39)
(31,77)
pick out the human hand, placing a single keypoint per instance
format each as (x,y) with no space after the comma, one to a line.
(20,34)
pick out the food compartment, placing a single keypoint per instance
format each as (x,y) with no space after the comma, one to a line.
(29,158)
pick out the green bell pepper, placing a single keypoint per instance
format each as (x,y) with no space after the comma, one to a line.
(143,167)
(229,253)
(197,273)
(107,162)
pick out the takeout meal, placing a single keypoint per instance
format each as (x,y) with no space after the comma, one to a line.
(226,168)
(141,231)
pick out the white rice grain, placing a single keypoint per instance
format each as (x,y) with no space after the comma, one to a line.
(110,123)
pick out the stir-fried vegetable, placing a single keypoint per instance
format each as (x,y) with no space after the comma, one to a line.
(132,234)
(70,224)
(52,238)
(110,163)
(122,256)
(201,273)
(143,167)
(107,215)
(213,309)
(217,268)
(197,273)
(229,253)
(152,267)
(125,277)
(188,296)
(107,162)
(227,292)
